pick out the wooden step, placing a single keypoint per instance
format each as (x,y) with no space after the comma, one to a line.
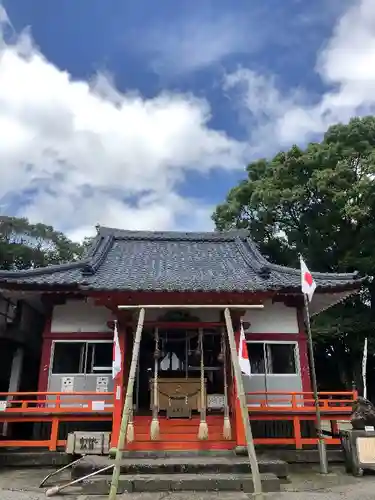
(217,436)
(180,445)
(211,420)
(178,426)
(179,431)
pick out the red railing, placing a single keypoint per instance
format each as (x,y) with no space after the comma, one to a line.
(58,407)
(300,401)
(54,408)
(56,402)
(296,407)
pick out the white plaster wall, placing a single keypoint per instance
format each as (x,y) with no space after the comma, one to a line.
(80,316)
(273,318)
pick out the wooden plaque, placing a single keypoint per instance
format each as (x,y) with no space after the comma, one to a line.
(366,450)
(179,411)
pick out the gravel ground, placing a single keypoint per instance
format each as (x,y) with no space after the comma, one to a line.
(306,484)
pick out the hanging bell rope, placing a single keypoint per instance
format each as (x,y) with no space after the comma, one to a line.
(203,427)
(227,430)
(155,426)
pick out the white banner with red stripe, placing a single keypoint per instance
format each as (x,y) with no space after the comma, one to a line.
(243,354)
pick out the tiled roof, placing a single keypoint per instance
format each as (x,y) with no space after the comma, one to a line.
(172,261)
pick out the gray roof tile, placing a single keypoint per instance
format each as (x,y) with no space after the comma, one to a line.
(168,261)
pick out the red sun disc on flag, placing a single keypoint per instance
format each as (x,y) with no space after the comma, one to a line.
(309,279)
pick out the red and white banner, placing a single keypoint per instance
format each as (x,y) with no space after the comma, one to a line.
(116,362)
(243,355)
(308,284)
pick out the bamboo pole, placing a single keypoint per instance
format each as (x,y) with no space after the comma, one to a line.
(127,406)
(243,405)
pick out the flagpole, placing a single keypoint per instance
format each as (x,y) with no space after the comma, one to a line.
(321,443)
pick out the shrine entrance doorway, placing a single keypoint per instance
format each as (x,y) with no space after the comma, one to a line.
(172,357)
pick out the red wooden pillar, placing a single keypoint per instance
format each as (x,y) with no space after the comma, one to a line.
(119,394)
(44,365)
(304,356)
(45,359)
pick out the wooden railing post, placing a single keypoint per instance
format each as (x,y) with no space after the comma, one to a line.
(294,402)
(54,434)
(297,432)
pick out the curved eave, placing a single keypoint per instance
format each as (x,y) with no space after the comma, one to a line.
(83,285)
(324,301)
(39,287)
(14,276)
(349,287)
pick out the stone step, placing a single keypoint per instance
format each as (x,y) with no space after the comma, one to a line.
(211,451)
(182,465)
(179,429)
(179,482)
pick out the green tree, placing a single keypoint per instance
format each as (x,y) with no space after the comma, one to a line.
(24,245)
(318,201)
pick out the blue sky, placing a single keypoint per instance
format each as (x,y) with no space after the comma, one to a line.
(144,114)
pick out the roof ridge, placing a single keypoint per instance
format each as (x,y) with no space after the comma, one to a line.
(255,261)
(125,234)
(93,248)
(98,256)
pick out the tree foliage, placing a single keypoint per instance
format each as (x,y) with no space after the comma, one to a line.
(318,201)
(24,245)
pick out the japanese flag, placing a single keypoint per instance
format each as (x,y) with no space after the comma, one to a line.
(243,355)
(308,284)
(116,362)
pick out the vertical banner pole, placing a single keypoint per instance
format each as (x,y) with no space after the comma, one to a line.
(364,369)
(321,442)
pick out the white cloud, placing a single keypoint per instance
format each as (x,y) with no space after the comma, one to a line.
(346,64)
(198,41)
(86,153)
